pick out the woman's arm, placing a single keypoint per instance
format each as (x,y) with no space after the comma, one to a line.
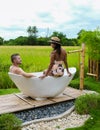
(52,59)
(66,64)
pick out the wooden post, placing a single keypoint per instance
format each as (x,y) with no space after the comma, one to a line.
(82,64)
(91,66)
(79,60)
(97,70)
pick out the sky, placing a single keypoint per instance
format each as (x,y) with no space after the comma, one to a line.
(66,16)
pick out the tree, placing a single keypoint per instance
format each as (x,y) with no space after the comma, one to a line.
(21,40)
(64,40)
(1,41)
(62,37)
(32,31)
(80,33)
(18,41)
(43,41)
(92,40)
(29,31)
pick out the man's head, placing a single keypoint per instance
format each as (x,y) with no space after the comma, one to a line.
(15,58)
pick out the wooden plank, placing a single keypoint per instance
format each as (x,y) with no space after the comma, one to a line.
(61,98)
(12,103)
(74,51)
(36,103)
(23,99)
(74,93)
(43,103)
(90,74)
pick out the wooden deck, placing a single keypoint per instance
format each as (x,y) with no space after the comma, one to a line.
(18,102)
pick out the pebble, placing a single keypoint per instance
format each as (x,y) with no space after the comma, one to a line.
(45,111)
(73,120)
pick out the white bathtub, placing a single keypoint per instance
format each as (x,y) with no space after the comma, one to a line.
(42,88)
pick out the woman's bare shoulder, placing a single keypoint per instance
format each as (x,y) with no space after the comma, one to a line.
(63,51)
(53,52)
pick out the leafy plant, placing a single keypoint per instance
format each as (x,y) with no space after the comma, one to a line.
(87,103)
(9,122)
(92,40)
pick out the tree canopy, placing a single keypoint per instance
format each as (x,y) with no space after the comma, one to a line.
(1,41)
(92,40)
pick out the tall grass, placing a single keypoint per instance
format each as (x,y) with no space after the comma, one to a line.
(34,58)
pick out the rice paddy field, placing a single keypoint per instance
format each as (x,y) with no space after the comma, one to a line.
(34,58)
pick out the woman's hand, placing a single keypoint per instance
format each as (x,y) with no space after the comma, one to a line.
(42,77)
(69,74)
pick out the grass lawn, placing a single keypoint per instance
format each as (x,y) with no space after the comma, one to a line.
(89,84)
(8,91)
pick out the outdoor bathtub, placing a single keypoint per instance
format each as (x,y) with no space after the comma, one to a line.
(38,88)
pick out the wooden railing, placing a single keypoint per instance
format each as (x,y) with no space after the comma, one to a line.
(93,68)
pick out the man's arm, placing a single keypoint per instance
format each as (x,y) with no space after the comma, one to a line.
(23,73)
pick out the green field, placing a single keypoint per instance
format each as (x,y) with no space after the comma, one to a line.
(34,58)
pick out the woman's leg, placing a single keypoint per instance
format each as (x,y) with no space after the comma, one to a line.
(50,74)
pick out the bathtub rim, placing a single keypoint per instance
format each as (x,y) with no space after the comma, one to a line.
(65,74)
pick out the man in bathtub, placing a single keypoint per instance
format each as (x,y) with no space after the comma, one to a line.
(14,68)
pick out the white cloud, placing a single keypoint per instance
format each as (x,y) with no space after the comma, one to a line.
(66,15)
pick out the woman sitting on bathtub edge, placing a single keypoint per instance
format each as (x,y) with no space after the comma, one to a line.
(57,58)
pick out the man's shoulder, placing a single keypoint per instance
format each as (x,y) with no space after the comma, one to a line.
(16,70)
(10,68)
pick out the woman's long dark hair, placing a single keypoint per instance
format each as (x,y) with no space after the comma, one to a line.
(58,48)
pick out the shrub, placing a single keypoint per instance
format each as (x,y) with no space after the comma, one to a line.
(85,104)
(9,122)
